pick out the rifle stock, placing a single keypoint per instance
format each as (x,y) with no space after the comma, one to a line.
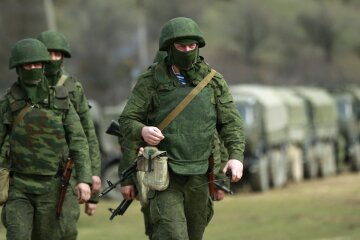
(65,179)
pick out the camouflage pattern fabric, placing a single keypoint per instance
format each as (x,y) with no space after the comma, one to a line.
(34,188)
(220,158)
(71,208)
(145,98)
(181,211)
(62,229)
(70,214)
(81,105)
(32,216)
(35,135)
(142,108)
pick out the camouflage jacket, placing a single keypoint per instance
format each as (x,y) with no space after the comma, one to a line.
(80,102)
(143,102)
(41,144)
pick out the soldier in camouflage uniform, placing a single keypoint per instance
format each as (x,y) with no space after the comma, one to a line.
(220,157)
(43,129)
(181,211)
(59,49)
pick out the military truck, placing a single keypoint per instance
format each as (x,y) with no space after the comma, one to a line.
(298,133)
(266,120)
(349,131)
(322,112)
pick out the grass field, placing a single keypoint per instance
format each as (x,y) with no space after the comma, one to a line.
(320,209)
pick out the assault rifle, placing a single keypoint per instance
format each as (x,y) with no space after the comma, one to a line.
(65,178)
(124,175)
(114,130)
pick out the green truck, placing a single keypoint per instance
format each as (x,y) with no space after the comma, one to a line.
(348,104)
(323,140)
(298,151)
(266,124)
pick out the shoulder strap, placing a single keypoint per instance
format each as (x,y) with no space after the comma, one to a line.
(21,115)
(181,106)
(62,80)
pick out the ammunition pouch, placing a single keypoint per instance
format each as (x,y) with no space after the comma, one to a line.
(4,185)
(152,171)
(142,189)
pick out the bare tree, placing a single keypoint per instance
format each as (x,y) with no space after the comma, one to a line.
(18,19)
(251,30)
(320,30)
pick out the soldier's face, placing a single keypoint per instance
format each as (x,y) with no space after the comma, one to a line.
(29,66)
(185,47)
(55,55)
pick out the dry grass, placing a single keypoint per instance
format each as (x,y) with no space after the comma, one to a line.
(321,209)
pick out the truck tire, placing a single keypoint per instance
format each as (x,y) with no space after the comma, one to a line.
(332,159)
(278,168)
(311,167)
(355,158)
(259,175)
(296,163)
(327,161)
(111,173)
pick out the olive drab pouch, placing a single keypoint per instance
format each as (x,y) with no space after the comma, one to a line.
(154,163)
(142,189)
(4,185)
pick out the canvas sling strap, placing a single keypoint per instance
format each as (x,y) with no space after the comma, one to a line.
(181,106)
(62,80)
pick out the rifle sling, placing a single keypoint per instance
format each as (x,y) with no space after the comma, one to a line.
(62,80)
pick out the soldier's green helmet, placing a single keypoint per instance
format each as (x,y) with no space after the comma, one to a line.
(180,28)
(28,50)
(55,41)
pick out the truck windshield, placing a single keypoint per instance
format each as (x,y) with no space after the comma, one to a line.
(345,109)
(247,113)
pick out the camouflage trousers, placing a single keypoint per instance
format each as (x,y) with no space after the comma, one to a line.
(149,228)
(70,214)
(181,211)
(33,216)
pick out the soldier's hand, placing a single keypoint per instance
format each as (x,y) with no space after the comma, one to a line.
(128,192)
(236,168)
(152,135)
(219,194)
(96,184)
(90,208)
(83,192)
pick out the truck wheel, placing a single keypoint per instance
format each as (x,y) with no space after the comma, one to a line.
(311,166)
(259,175)
(296,165)
(278,168)
(355,158)
(111,173)
(332,159)
(327,159)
